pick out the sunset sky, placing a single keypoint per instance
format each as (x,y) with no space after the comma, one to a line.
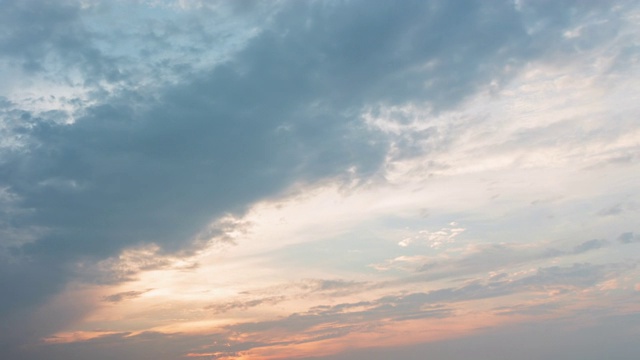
(306,179)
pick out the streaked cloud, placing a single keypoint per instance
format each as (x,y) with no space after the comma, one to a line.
(240,179)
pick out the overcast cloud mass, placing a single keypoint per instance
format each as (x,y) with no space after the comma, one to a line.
(319,179)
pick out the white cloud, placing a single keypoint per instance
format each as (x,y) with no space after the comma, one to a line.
(229,167)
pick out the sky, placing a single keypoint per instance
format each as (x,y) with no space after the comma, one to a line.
(312,179)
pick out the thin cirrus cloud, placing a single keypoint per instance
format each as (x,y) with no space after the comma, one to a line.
(295,179)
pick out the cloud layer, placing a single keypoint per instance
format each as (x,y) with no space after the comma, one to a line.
(154,137)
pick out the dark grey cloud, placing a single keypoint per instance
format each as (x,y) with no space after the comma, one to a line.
(629,237)
(332,287)
(566,278)
(308,288)
(566,338)
(126,295)
(618,209)
(436,303)
(156,166)
(576,275)
(590,245)
(50,37)
(335,321)
(611,211)
(244,305)
(126,345)
(494,257)
(531,310)
(352,316)
(35,29)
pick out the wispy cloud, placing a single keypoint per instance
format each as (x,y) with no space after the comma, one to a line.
(121,296)
(240,179)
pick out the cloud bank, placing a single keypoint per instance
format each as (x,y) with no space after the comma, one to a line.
(137,137)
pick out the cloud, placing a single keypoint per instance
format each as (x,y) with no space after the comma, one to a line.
(244,305)
(485,257)
(589,245)
(628,238)
(340,320)
(434,239)
(306,289)
(126,295)
(576,276)
(348,317)
(153,152)
(59,33)
(436,303)
(146,345)
(219,140)
(531,310)
(561,337)
(618,209)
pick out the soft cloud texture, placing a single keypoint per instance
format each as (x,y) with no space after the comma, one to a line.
(287,179)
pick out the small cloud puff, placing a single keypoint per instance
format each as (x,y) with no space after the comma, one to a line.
(434,239)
